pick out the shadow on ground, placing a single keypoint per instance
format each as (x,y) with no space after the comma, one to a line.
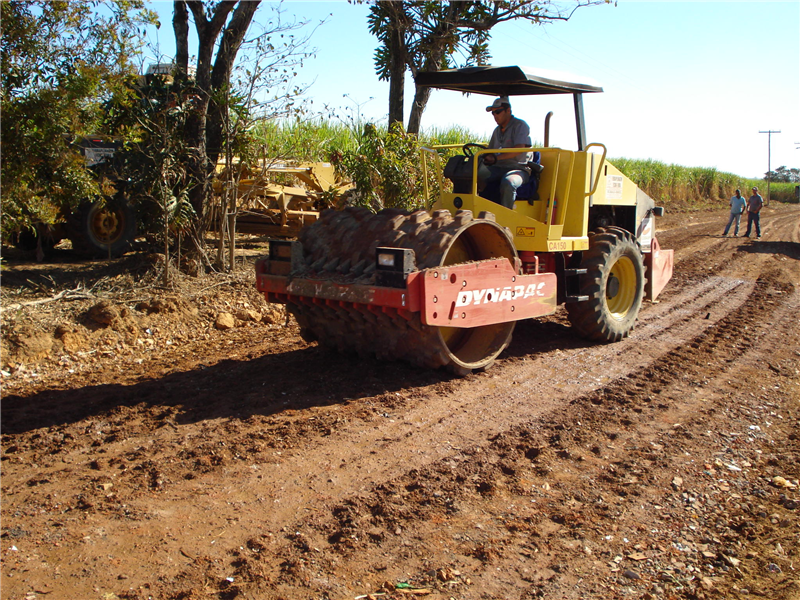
(788,249)
(65,270)
(263,385)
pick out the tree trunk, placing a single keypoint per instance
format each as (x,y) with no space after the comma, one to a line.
(205,126)
(397,78)
(421,97)
(433,62)
(180,25)
(232,39)
(199,168)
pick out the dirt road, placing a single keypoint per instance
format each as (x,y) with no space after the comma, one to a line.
(149,453)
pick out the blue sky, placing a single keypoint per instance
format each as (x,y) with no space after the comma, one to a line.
(690,83)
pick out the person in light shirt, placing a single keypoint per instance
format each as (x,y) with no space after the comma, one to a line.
(737,208)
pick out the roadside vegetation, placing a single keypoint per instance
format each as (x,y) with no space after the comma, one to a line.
(696,188)
(238,104)
(386,166)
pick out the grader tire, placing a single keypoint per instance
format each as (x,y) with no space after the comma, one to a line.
(340,246)
(614,283)
(101,229)
(25,240)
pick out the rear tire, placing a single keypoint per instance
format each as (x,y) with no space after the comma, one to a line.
(25,240)
(100,229)
(28,240)
(614,283)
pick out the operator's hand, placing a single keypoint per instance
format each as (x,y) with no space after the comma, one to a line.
(489,159)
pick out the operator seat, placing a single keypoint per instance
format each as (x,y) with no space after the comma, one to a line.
(530,191)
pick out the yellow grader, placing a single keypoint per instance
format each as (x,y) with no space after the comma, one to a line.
(445,287)
(264,207)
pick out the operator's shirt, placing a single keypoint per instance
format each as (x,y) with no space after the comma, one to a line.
(517,132)
(737,205)
(754,203)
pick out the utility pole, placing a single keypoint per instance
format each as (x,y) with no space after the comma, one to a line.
(797,187)
(769,152)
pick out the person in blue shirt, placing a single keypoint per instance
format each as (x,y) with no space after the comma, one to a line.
(754,204)
(737,208)
(507,169)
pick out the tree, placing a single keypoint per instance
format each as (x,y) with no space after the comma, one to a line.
(783,175)
(221,28)
(212,75)
(61,61)
(425,35)
(155,157)
(260,91)
(385,168)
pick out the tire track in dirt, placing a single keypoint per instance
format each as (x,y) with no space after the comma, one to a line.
(446,430)
(750,304)
(438,424)
(428,433)
(439,433)
(437,491)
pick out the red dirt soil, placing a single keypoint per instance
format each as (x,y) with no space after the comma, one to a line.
(150,450)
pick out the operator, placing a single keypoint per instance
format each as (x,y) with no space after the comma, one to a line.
(507,169)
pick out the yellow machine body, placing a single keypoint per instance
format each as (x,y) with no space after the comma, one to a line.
(443,286)
(569,184)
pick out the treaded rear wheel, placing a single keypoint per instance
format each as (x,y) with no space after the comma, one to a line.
(614,283)
(101,229)
(28,240)
(25,240)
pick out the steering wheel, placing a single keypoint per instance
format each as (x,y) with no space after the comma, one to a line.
(468,148)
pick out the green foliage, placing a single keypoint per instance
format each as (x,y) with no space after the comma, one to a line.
(384,168)
(302,140)
(693,188)
(156,155)
(59,62)
(314,140)
(444,137)
(384,165)
(780,192)
(40,172)
(432,32)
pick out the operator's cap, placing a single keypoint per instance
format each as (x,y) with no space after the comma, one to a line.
(501,102)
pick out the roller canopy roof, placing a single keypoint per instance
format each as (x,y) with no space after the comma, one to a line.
(507,81)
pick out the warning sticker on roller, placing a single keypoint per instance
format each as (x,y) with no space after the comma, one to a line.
(614,187)
(526,232)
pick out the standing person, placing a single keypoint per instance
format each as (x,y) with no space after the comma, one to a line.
(754,204)
(506,168)
(737,208)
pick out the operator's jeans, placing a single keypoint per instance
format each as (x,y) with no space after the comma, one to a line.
(510,180)
(734,217)
(753,218)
